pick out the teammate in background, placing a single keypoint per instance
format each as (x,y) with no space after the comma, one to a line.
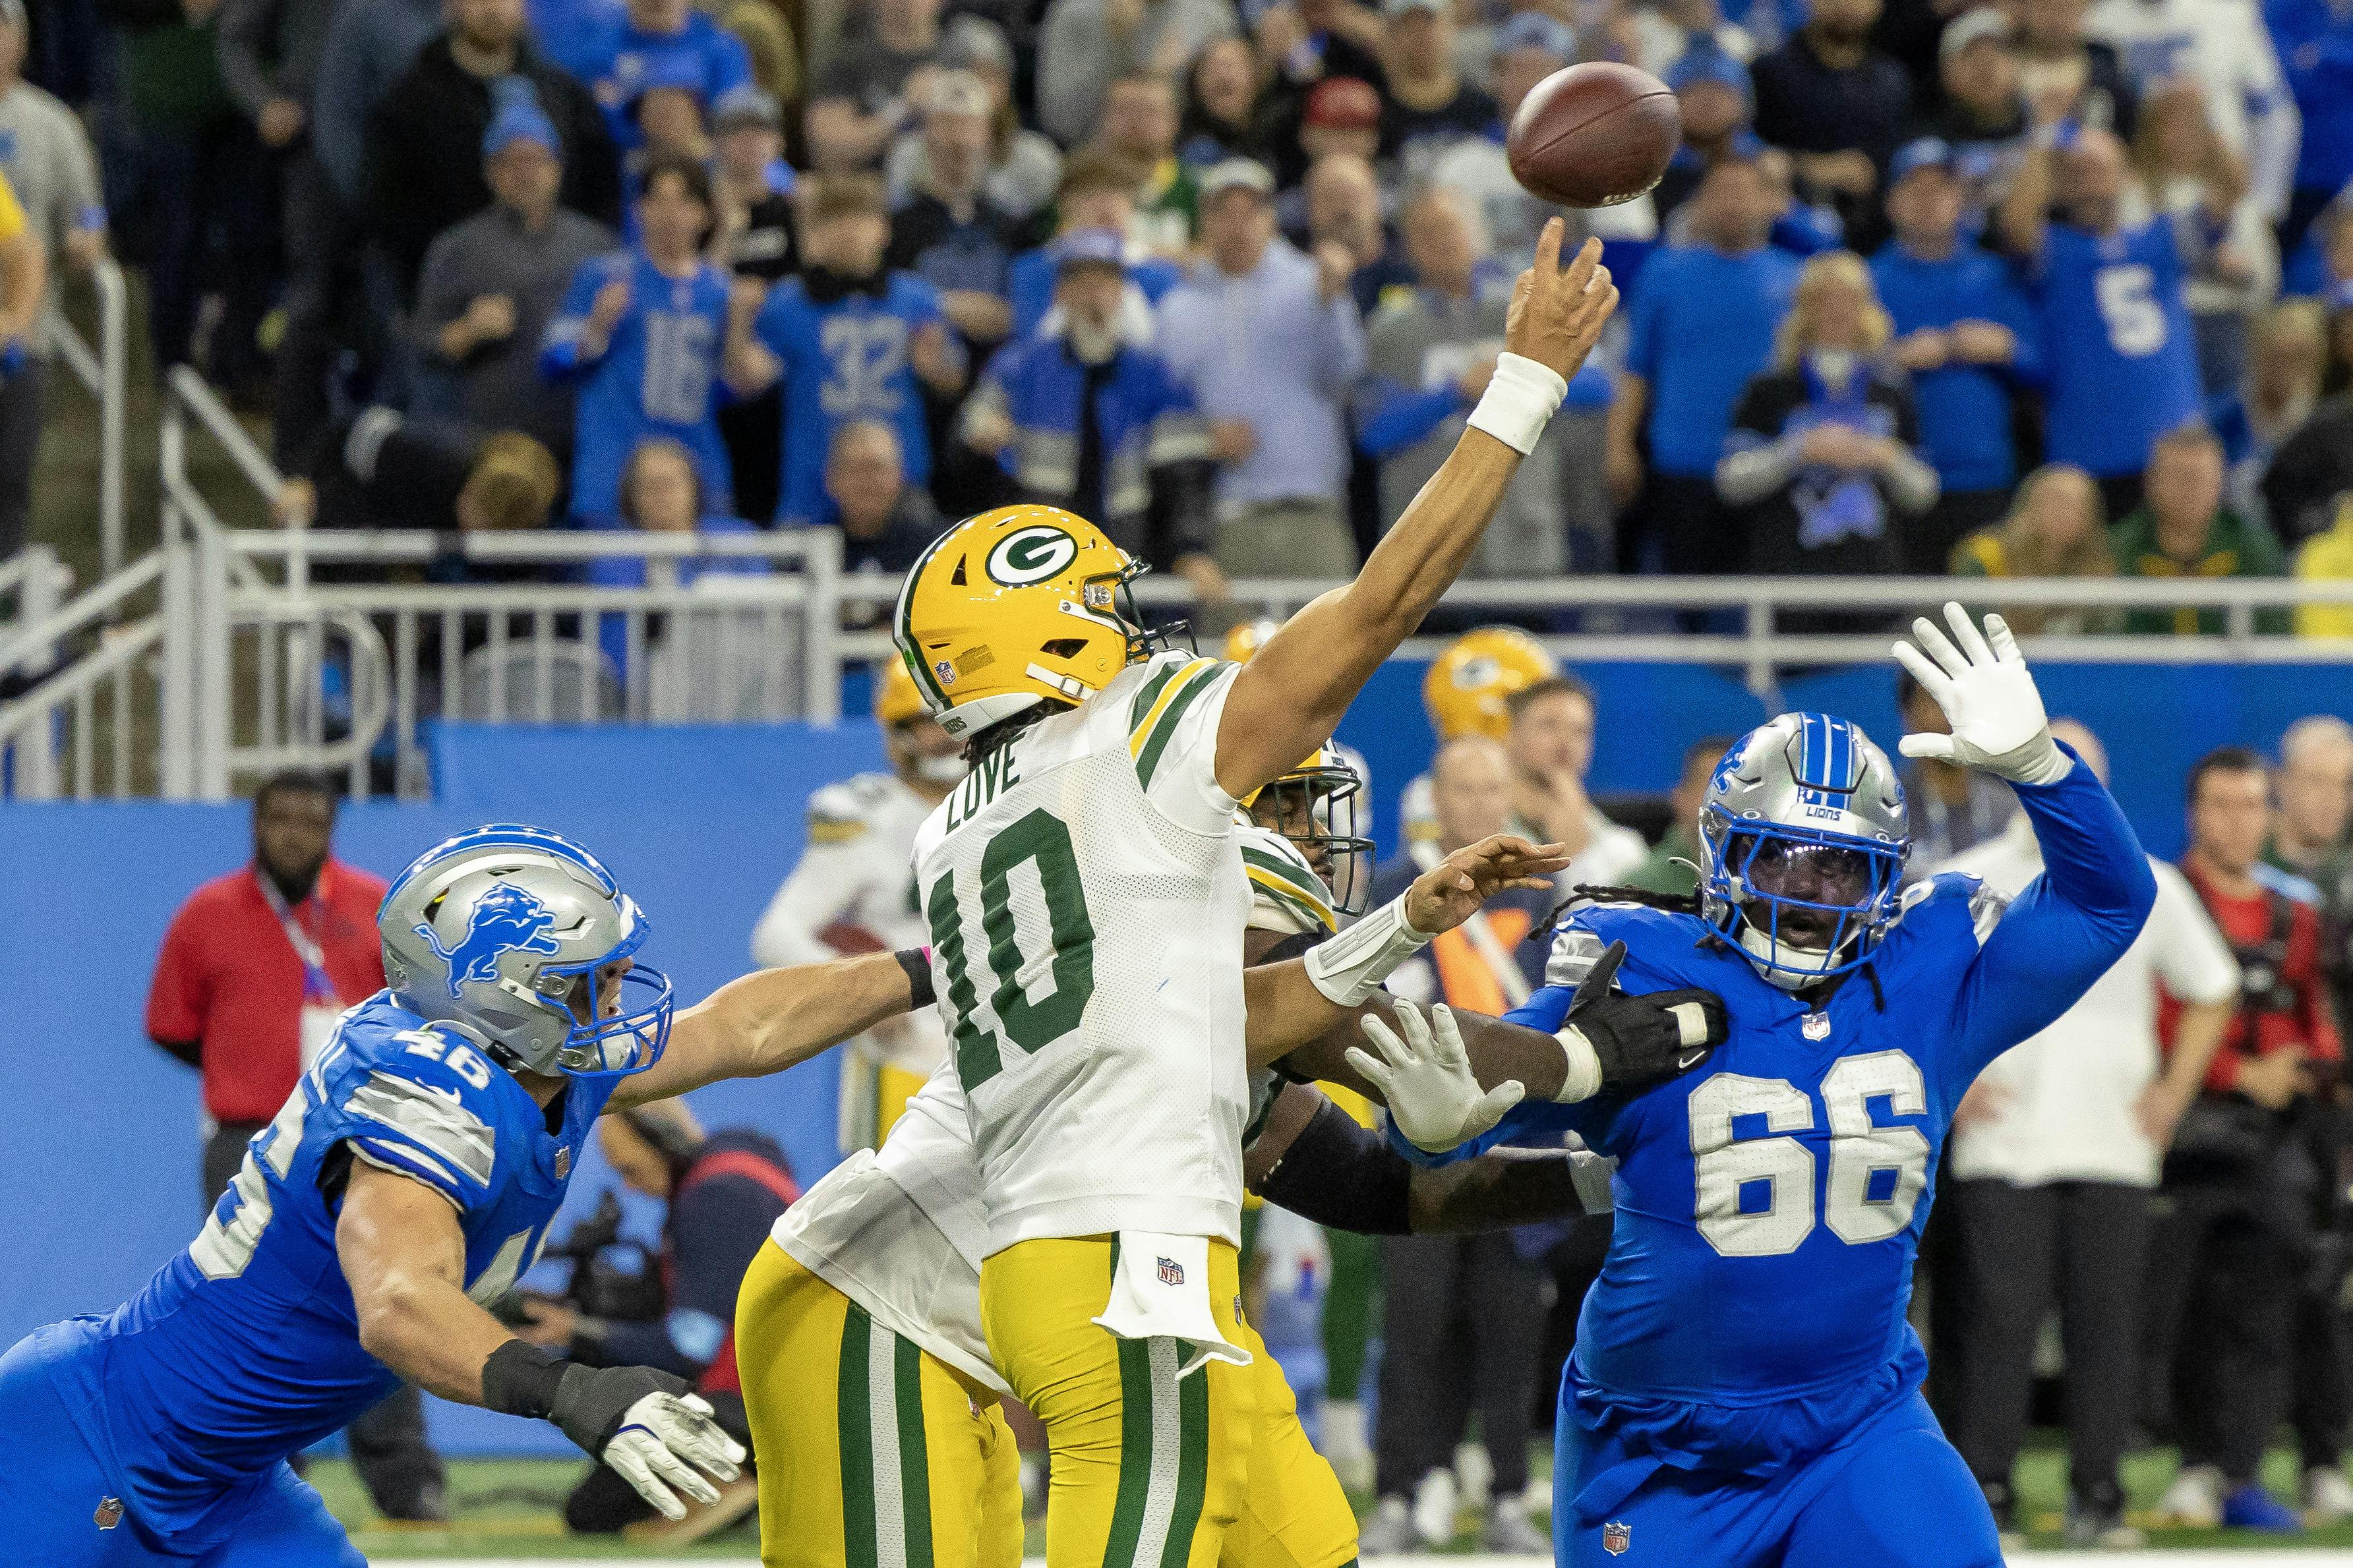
(852,892)
(1103,1067)
(1745,1386)
(411,1175)
(875,1283)
(1241,645)
(1468,691)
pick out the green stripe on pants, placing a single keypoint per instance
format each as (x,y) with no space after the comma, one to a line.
(857,1434)
(914,1463)
(1192,1466)
(1135,1453)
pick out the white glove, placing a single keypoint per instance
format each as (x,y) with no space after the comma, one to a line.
(1989,698)
(1425,1077)
(663,1439)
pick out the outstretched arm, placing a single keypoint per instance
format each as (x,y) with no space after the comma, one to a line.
(1288,700)
(1315,1161)
(2096,891)
(404,1255)
(773,1020)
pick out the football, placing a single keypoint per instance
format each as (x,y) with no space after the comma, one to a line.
(1594,135)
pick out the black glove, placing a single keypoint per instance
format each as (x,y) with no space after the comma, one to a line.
(1643,1040)
(590,1401)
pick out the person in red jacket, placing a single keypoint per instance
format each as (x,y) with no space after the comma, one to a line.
(2247,1214)
(255,969)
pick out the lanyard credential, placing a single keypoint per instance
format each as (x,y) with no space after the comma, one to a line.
(317,988)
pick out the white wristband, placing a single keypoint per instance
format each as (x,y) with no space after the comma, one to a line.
(1351,966)
(1583,1078)
(1520,400)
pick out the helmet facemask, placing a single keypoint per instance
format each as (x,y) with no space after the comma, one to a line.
(606,1038)
(1804,904)
(1314,806)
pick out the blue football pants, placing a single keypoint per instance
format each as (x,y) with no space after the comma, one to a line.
(1894,1494)
(54,1497)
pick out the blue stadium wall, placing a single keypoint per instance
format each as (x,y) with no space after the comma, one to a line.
(99,1159)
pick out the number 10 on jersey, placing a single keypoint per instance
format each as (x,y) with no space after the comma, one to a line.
(1037,845)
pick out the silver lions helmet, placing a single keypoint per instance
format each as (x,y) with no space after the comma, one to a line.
(509,934)
(1804,834)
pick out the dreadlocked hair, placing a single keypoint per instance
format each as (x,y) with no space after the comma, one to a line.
(983,742)
(1604,893)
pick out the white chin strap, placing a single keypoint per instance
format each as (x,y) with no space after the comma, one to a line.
(1790,968)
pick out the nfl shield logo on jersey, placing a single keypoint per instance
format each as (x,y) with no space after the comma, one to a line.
(1616,1536)
(109,1514)
(1817,1026)
(1171,1271)
(563,1161)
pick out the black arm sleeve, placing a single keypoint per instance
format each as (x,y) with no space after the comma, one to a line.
(1339,1175)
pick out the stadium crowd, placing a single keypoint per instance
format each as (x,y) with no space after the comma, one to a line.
(2046,287)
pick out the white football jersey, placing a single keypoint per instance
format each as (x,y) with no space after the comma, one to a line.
(855,872)
(903,1231)
(1086,905)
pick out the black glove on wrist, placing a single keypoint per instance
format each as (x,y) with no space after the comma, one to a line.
(1648,1040)
(591,1400)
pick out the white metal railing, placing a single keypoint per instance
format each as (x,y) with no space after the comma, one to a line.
(51,733)
(101,371)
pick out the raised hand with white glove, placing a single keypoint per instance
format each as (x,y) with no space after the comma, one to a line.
(1989,698)
(1424,1075)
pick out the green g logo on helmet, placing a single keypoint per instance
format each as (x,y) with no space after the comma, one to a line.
(1031,555)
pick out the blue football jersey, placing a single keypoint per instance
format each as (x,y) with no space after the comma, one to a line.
(1770,1204)
(660,376)
(2118,341)
(245,1348)
(845,362)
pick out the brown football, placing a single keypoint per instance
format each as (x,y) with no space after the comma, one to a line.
(1594,135)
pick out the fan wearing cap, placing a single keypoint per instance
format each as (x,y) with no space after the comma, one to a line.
(1098,194)
(947,231)
(492,283)
(1967,335)
(430,140)
(1076,416)
(1428,103)
(1713,91)
(1025,169)
(1269,342)
(1342,115)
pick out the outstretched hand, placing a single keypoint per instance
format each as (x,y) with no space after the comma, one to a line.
(1453,890)
(1556,315)
(1989,697)
(1424,1076)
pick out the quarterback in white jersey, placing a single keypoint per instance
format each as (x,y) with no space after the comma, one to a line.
(853,891)
(1086,906)
(882,1259)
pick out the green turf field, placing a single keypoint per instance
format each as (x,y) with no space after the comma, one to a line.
(508,1508)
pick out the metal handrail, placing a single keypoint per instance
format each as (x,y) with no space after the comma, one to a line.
(25,723)
(103,372)
(794,547)
(84,610)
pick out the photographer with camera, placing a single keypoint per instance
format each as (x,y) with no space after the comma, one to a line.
(2247,1229)
(724,1192)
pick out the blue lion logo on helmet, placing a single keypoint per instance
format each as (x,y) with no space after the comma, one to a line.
(505,920)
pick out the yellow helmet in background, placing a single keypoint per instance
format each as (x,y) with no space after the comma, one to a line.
(1012,608)
(896,700)
(1247,638)
(1470,684)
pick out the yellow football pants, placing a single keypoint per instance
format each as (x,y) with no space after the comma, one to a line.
(1295,1514)
(872,1453)
(1150,1469)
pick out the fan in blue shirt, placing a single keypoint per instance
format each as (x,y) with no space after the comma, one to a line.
(1743,1389)
(851,340)
(409,1179)
(2120,352)
(1967,335)
(617,50)
(643,330)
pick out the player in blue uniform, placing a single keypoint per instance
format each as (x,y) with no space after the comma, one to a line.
(643,330)
(410,1176)
(1745,1386)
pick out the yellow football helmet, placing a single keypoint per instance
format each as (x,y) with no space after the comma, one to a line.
(1469,684)
(1314,806)
(1015,607)
(896,700)
(1247,638)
